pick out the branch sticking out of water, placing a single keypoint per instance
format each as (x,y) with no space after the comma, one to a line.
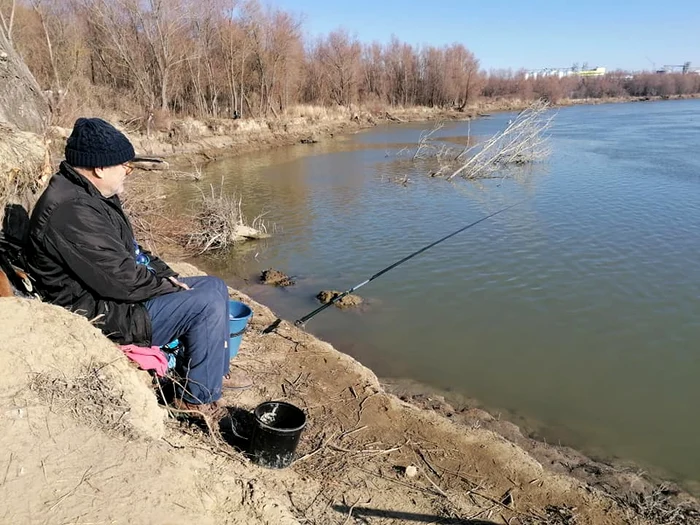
(221,222)
(524,141)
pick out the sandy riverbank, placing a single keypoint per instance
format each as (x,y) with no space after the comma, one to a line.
(189,143)
(84,442)
(193,142)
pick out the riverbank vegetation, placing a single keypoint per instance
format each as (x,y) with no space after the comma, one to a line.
(219,222)
(24,167)
(213,221)
(149,62)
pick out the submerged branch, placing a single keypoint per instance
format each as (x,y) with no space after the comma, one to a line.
(524,141)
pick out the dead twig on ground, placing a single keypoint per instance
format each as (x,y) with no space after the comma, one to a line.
(323,445)
(7,470)
(89,396)
(72,491)
(347,520)
(374,452)
(425,460)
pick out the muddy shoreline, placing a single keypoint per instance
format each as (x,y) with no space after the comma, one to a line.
(614,473)
(527,433)
(620,479)
(629,486)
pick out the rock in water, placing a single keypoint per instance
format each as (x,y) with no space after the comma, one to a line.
(349,301)
(275,278)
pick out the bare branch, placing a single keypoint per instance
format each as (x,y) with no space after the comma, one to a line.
(7,25)
(425,136)
(522,142)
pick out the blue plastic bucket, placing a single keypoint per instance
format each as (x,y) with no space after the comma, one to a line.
(238,316)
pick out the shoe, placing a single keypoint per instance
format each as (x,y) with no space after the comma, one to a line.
(212,411)
(237,380)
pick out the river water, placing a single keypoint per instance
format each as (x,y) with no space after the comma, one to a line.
(578,309)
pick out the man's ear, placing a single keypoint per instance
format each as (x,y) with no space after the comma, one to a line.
(99,173)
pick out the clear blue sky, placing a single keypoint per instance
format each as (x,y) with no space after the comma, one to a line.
(529,33)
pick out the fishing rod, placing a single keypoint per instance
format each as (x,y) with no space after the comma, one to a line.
(302,320)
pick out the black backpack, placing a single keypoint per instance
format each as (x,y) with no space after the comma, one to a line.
(13,239)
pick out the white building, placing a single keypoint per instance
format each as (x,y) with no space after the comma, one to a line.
(565,72)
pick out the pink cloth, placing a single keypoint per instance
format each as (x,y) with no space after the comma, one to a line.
(148,358)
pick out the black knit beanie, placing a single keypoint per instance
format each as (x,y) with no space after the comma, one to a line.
(95,143)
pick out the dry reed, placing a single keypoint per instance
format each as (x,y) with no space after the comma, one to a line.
(220,222)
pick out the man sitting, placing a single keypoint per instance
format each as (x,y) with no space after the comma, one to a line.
(83,254)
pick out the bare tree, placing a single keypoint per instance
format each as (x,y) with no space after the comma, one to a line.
(206,57)
(465,74)
(39,8)
(235,48)
(275,39)
(207,71)
(401,67)
(340,56)
(7,21)
(162,24)
(434,67)
(147,38)
(374,85)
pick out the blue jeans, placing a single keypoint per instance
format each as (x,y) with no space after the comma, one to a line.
(199,319)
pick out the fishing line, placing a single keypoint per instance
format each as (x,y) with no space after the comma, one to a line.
(302,320)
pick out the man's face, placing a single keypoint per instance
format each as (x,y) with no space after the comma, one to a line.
(111,179)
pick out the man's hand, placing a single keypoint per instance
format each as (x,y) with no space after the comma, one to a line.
(178,283)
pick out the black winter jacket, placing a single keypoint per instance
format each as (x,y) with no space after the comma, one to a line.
(81,252)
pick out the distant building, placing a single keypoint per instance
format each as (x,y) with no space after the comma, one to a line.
(680,68)
(565,72)
(597,72)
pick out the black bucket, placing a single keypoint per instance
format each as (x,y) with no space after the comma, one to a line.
(278,427)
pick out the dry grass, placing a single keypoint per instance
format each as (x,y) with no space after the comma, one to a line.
(216,223)
(155,228)
(317,113)
(24,167)
(89,397)
(220,223)
(662,505)
(19,186)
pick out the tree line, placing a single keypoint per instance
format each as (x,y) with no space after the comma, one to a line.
(220,58)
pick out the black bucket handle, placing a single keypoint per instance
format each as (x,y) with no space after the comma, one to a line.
(240,332)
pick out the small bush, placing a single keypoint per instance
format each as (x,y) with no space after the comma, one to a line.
(220,223)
